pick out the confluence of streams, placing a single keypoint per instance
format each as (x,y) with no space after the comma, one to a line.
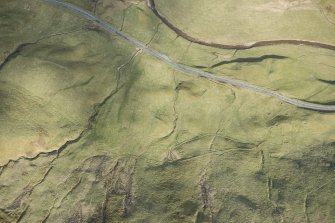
(187,69)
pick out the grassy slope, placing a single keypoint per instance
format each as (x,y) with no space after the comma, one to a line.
(167,146)
(297,75)
(245,21)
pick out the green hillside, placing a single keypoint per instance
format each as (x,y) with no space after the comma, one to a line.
(94,129)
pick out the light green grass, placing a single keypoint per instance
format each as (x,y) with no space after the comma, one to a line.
(167,146)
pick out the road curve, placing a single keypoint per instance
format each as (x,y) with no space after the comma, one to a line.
(187,69)
(179,32)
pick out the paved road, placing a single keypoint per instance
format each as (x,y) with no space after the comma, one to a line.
(187,69)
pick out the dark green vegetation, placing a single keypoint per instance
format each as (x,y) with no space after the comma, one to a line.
(110,134)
